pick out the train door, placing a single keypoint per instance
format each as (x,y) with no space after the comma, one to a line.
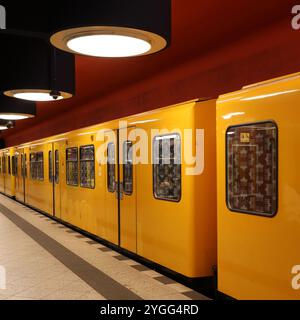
(2,174)
(5,172)
(26,173)
(111,207)
(127,191)
(19,175)
(23,173)
(56,180)
(121,191)
(8,180)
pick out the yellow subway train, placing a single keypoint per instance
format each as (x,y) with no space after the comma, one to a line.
(192,188)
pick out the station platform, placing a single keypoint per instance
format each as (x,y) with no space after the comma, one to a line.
(42,259)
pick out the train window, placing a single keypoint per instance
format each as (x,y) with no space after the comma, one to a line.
(40,166)
(50,160)
(128,168)
(22,165)
(32,166)
(111,167)
(167,167)
(14,166)
(25,166)
(252,158)
(9,165)
(37,166)
(87,167)
(4,165)
(72,166)
(56,166)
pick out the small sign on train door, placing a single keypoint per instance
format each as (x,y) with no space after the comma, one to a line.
(245,137)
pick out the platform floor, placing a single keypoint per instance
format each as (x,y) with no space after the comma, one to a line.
(44,260)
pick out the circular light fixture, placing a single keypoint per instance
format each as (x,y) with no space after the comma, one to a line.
(37,95)
(13,109)
(108,42)
(13,117)
(103,45)
(33,70)
(115,28)
(112,46)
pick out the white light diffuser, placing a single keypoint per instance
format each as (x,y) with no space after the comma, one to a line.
(109,45)
(14,117)
(36,96)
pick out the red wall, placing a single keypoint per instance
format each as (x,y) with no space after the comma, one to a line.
(272,52)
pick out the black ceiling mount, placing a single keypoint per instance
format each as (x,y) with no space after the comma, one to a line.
(6,124)
(36,16)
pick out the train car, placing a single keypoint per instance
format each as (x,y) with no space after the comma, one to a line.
(258,143)
(162,210)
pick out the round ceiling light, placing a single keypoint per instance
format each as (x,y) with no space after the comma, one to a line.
(113,29)
(13,117)
(37,95)
(108,42)
(33,70)
(13,109)
(112,46)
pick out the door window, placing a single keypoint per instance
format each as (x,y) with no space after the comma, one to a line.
(252,158)
(167,167)
(72,166)
(128,167)
(87,167)
(111,167)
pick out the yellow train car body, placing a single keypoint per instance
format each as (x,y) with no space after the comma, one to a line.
(258,138)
